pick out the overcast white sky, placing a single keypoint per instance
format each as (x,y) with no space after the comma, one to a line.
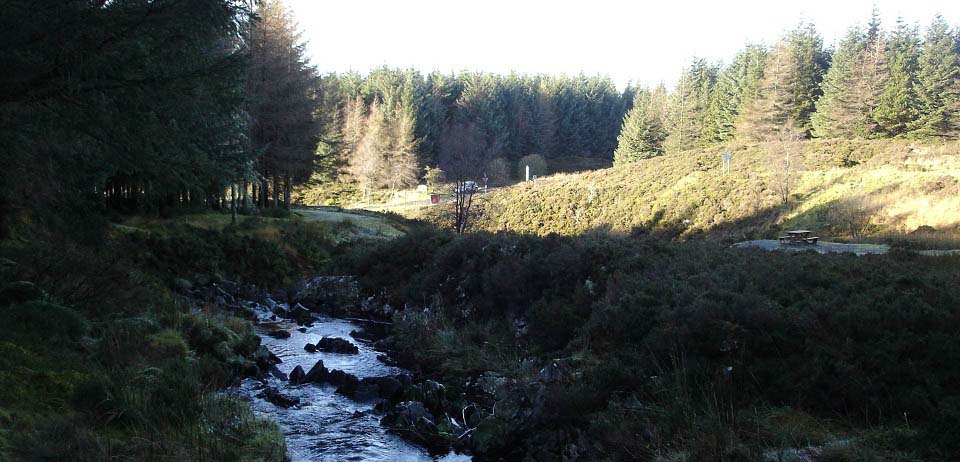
(641,41)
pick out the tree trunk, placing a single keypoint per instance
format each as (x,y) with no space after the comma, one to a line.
(286,192)
(233,205)
(276,191)
(263,192)
(243,199)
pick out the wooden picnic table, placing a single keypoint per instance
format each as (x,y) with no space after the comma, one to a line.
(800,236)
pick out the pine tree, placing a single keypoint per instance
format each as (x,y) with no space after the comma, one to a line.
(897,108)
(643,133)
(937,83)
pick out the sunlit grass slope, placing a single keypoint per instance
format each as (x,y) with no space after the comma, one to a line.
(837,188)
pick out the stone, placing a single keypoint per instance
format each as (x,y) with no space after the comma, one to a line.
(300,313)
(405,415)
(274,396)
(317,374)
(363,336)
(297,375)
(310,348)
(280,334)
(337,345)
(276,373)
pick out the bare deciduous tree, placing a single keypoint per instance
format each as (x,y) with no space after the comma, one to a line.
(783,149)
(463,154)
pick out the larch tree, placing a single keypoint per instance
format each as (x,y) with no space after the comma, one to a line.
(737,85)
(773,106)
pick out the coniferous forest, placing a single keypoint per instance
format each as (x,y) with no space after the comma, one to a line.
(173,286)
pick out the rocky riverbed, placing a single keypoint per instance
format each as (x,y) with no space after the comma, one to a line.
(321,424)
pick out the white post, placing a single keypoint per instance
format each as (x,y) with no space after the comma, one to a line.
(528,173)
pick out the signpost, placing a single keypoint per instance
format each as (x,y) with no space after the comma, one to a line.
(725,165)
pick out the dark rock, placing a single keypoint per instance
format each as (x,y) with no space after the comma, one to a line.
(386,360)
(317,374)
(280,333)
(431,394)
(274,396)
(274,371)
(363,336)
(264,358)
(297,375)
(371,388)
(280,310)
(311,348)
(349,383)
(357,414)
(337,345)
(300,313)
(405,415)
(302,330)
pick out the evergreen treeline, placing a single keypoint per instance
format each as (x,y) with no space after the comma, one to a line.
(140,106)
(876,84)
(391,124)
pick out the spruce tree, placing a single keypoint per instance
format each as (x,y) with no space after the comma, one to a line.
(937,83)
(853,86)
(810,63)
(897,108)
(689,106)
(736,86)
(643,133)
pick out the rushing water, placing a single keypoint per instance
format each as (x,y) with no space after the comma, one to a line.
(323,426)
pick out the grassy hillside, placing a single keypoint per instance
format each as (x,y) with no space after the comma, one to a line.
(838,188)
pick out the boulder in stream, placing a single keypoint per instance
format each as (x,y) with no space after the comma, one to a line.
(279,333)
(337,345)
(274,396)
(372,388)
(317,374)
(300,314)
(310,348)
(297,375)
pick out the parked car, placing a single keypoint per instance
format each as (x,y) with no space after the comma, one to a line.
(468,187)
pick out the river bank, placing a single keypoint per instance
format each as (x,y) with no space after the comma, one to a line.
(332,414)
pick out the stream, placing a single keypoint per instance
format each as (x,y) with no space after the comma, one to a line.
(324,426)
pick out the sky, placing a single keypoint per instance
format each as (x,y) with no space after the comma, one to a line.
(644,42)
